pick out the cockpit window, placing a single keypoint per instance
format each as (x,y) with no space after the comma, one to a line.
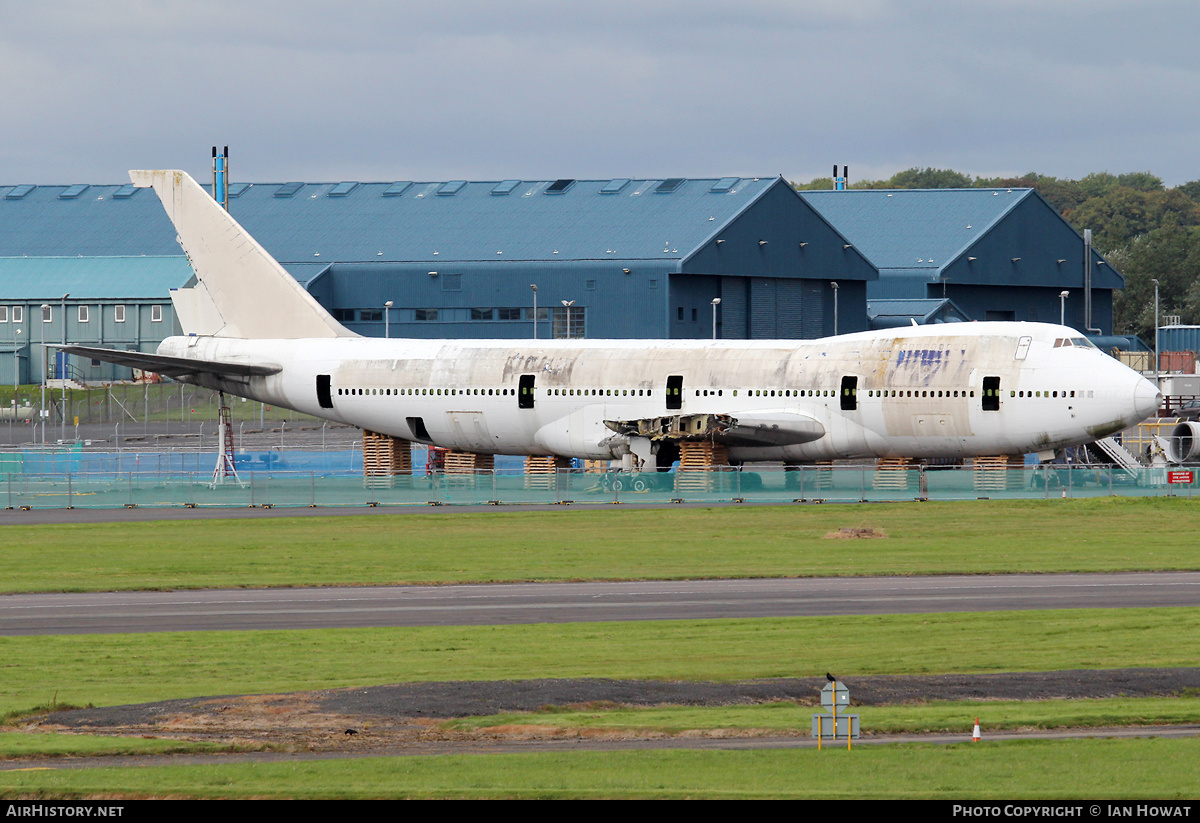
(1082,342)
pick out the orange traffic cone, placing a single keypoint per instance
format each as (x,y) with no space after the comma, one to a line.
(975,734)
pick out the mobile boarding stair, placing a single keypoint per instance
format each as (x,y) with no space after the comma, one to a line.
(1121,456)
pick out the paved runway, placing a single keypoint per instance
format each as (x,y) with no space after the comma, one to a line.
(33,614)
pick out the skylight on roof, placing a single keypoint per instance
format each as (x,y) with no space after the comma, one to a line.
(453,187)
(342,189)
(18,192)
(397,188)
(724,184)
(560,186)
(237,189)
(505,186)
(288,189)
(125,192)
(669,185)
(614,186)
(72,192)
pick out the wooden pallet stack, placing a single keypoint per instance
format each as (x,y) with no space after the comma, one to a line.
(998,472)
(384,458)
(823,474)
(700,465)
(542,471)
(469,462)
(893,473)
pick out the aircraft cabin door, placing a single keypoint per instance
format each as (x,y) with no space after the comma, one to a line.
(324,393)
(849,392)
(991,394)
(525,391)
(675,391)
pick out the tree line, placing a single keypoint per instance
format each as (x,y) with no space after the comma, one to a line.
(1146,230)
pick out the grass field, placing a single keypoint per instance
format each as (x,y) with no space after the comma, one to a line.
(1110,769)
(950,717)
(932,538)
(1106,534)
(133,668)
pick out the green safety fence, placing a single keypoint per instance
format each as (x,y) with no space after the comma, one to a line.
(768,485)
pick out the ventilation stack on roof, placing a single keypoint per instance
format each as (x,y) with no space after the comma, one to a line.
(220,187)
(843,182)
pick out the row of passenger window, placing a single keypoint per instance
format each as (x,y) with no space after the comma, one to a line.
(444,392)
(699,392)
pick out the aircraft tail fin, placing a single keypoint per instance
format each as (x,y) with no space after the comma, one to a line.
(253,296)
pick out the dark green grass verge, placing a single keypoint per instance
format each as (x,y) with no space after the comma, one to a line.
(40,745)
(1158,769)
(916,718)
(132,668)
(1095,535)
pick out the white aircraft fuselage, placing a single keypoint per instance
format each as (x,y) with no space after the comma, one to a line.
(953,390)
(933,391)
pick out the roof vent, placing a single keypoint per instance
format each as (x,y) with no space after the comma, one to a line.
(288,189)
(125,192)
(669,185)
(18,192)
(453,187)
(614,186)
(237,189)
(73,191)
(396,189)
(342,189)
(505,187)
(559,186)
(724,184)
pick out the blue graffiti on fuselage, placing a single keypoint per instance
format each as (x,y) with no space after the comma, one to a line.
(925,362)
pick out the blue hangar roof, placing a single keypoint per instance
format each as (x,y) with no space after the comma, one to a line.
(494,221)
(922,232)
(396,222)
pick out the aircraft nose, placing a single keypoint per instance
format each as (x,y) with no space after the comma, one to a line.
(1146,399)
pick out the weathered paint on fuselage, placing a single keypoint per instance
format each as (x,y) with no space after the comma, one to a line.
(919,390)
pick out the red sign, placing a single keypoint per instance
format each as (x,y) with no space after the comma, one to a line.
(1179,477)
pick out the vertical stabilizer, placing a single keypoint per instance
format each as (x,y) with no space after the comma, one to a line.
(252,294)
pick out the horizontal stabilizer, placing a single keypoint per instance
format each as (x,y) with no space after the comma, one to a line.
(172,366)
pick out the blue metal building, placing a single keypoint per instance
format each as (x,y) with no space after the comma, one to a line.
(610,258)
(998,254)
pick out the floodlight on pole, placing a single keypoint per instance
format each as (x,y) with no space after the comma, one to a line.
(716,301)
(1062,307)
(387,319)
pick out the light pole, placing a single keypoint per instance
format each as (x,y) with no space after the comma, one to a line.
(16,376)
(387,318)
(1155,282)
(567,304)
(534,287)
(16,363)
(1062,307)
(833,284)
(42,411)
(62,357)
(716,301)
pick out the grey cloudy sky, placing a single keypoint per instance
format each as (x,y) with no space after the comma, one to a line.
(534,89)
